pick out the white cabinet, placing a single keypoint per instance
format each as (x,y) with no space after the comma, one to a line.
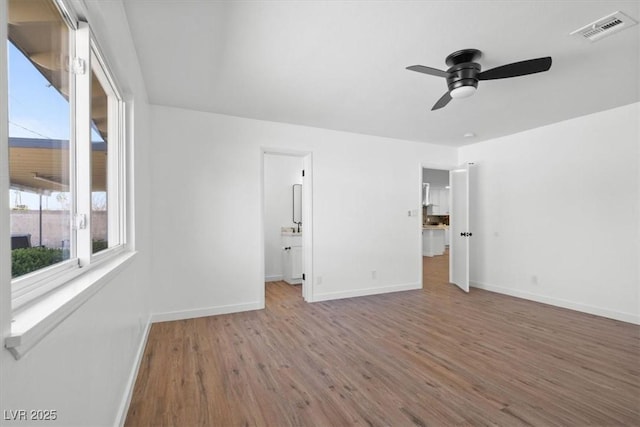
(439,201)
(434,200)
(432,241)
(444,201)
(292,257)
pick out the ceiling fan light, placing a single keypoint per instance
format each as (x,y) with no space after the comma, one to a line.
(462,92)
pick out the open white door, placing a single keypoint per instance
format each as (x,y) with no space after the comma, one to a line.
(459,227)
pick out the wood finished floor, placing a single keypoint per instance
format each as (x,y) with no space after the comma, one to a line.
(428,357)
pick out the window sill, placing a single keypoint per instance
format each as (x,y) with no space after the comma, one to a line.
(33,323)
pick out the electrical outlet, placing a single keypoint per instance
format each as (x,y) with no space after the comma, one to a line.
(534,279)
(318,280)
(374,274)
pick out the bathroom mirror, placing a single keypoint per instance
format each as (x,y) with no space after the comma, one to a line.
(297,204)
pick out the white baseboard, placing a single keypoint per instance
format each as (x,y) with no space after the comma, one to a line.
(273,278)
(364,292)
(598,311)
(131,381)
(203,312)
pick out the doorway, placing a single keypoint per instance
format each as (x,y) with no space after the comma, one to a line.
(436,202)
(445,223)
(286,220)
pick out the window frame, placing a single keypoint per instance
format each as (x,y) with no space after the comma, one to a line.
(115,153)
(85,55)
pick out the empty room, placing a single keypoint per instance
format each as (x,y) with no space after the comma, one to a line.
(320,213)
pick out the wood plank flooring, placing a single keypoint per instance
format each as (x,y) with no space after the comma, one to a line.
(429,357)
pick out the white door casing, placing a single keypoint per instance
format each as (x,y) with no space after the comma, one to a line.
(307,227)
(307,220)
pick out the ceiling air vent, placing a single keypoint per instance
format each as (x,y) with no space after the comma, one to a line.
(606,26)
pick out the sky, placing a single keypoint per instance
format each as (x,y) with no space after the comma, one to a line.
(36,110)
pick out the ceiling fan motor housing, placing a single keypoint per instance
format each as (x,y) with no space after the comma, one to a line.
(465,74)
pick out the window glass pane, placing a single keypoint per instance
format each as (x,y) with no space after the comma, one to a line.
(99,181)
(39,123)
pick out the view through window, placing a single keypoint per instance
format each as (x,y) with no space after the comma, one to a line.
(65,178)
(39,128)
(99,158)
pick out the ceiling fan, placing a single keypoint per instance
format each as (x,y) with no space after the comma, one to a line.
(464,73)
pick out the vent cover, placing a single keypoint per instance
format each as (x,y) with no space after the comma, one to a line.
(606,26)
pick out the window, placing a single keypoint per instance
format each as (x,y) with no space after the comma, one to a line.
(99,162)
(65,149)
(39,117)
(106,115)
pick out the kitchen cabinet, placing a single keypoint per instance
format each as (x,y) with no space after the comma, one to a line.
(440,201)
(433,241)
(437,199)
(444,201)
(434,201)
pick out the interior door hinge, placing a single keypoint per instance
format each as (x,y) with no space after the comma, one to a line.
(302,172)
(303,276)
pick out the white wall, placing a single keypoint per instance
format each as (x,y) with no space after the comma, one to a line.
(82,369)
(280,173)
(561,203)
(363,188)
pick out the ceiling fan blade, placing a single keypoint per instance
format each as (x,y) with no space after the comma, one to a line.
(428,70)
(522,68)
(444,100)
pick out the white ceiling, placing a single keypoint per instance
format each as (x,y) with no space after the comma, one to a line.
(341,64)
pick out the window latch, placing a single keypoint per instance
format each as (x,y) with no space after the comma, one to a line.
(80,221)
(79,66)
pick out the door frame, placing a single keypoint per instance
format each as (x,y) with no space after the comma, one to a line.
(307,215)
